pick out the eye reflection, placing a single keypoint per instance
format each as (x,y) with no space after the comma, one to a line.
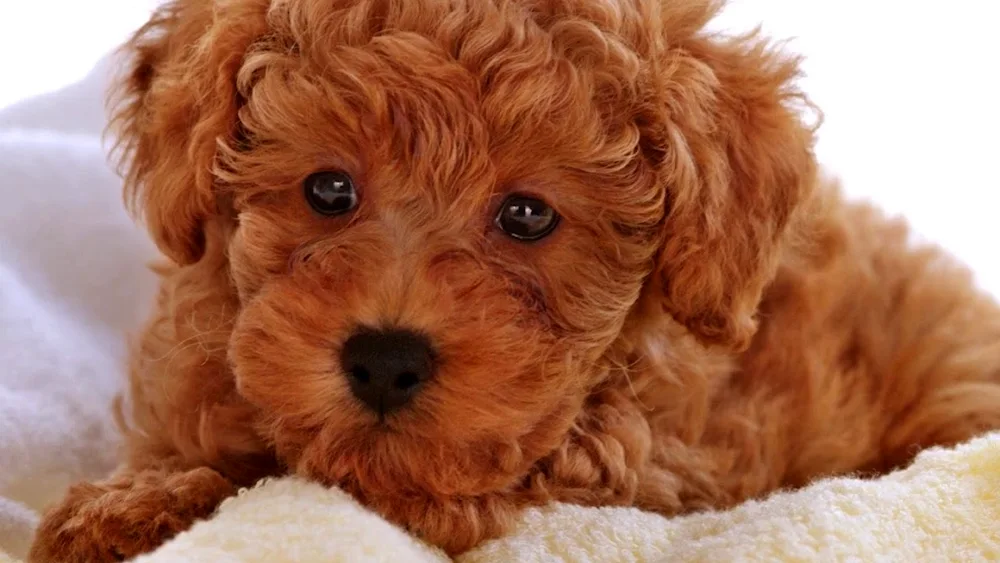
(526,218)
(330,192)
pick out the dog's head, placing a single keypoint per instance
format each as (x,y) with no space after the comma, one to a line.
(440,217)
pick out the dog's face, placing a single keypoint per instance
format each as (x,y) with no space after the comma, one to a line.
(434,245)
(443,221)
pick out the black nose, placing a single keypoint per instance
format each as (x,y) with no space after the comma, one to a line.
(386,368)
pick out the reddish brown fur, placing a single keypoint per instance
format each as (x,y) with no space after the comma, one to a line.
(710,322)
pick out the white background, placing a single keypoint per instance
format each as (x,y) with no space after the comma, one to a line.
(910,89)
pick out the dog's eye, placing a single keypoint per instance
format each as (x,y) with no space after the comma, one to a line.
(526,218)
(330,192)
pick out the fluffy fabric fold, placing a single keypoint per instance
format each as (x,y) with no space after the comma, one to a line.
(945,507)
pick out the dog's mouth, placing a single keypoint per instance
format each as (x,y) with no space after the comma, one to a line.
(452,401)
(387,457)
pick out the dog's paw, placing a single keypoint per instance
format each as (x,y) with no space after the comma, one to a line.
(127,516)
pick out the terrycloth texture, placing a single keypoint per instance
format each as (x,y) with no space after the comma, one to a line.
(73,281)
(945,507)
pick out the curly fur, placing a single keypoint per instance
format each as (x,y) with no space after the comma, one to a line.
(710,322)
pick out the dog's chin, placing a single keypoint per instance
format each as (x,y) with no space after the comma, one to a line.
(377,463)
(375,458)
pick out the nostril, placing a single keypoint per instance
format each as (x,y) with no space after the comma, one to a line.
(360,374)
(387,368)
(406,381)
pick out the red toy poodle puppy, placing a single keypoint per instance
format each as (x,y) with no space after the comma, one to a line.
(459,257)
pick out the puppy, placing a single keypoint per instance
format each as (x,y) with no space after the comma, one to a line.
(462,257)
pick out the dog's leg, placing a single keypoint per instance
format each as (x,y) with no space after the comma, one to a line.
(943,386)
(928,342)
(131,513)
(865,357)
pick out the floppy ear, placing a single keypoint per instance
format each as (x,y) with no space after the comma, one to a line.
(175,102)
(737,160)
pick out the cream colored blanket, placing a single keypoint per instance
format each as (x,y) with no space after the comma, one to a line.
(945,507)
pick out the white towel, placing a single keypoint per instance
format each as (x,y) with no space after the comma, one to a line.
(73,283)
(945,507)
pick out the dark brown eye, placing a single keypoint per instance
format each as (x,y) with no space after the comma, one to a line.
(526,218)
(330,193)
